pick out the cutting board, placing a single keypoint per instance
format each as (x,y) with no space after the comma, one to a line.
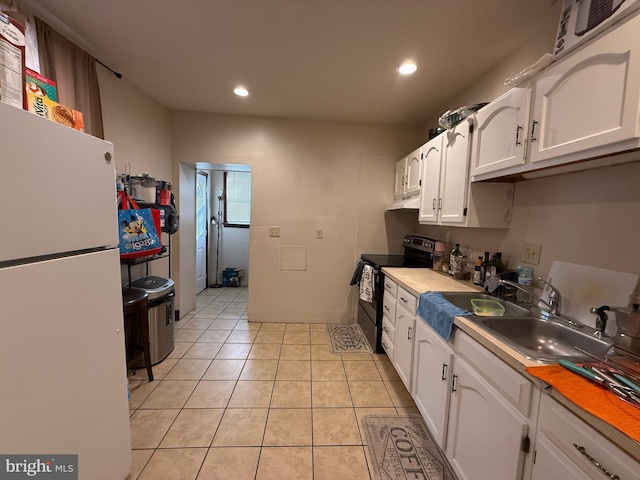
(583,287)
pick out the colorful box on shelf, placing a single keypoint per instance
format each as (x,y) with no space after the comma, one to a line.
(44,107)
(40,85)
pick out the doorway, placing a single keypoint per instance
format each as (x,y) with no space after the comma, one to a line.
(202,224)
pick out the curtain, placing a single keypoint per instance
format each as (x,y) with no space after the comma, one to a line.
(74,70)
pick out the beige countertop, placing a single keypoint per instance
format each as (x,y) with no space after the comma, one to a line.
(420,280)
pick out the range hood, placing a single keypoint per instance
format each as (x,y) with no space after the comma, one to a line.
(409,203)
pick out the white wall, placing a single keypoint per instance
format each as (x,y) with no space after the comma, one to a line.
(305,175)
(140,129)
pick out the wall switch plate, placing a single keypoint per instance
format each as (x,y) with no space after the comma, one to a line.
(531,253)
(319,233)
(274,231)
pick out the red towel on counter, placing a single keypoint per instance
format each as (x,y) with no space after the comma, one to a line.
(596,400)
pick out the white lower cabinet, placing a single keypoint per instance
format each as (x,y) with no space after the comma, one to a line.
(432,367)
(568,448)
(485,433)
(403,354)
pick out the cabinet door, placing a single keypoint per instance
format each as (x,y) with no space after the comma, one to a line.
(499,133)
(551,465)
(412,184)
(403,355)
(590,98)
(432,367)
(484,433)
(401,172)
(455,174)
(430,192)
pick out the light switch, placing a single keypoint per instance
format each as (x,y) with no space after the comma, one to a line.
(531,253)
(274,231)
(319,233)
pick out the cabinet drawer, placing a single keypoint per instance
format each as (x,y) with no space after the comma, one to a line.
(513,386)
(573,437)
(390,286)
(388,328)
(407,300)
(389,306)
(388,346)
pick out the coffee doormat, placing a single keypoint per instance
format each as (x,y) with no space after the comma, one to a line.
(401,447)
(347,339)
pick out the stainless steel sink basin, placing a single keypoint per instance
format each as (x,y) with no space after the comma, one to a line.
(535,335)
(544,339)
(463,300)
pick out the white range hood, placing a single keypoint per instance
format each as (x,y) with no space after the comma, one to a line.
(410,203)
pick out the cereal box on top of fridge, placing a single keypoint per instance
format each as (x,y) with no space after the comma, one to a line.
(40,85)
(44,107)
(12,55)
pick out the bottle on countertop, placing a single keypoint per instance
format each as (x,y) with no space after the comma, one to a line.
(452,258)
(484,267)
(477,272)
(499,264)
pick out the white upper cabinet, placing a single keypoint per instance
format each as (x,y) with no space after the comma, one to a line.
(412,184)
(407,182)
(447,197)
(431,158)
(581,112)
(589,100)
(401,169)
(499,137)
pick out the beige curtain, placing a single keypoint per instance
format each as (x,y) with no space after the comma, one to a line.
(74,70)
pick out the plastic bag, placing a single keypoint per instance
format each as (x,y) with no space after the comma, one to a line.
(543,62)
(451,118)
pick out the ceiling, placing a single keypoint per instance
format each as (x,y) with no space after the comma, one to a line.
(315,59)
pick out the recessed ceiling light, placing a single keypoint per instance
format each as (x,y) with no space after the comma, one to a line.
(241,91)
(407,68)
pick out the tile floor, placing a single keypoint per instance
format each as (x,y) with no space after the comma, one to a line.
(257,401)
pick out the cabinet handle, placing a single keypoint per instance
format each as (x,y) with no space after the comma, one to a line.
(384,345)
(434,203)
(387,308)
(444,372)
(402,298)
(409,333)
(453,383)
(439,203)
(518,128)
(583,451)
(385,329)
(533,131)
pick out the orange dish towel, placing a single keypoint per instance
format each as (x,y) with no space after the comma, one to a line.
(591,397)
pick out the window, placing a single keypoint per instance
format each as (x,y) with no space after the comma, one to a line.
(237,199)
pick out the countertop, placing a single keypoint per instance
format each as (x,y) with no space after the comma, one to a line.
(420,280)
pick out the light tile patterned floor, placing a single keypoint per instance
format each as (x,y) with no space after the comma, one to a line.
(257,401)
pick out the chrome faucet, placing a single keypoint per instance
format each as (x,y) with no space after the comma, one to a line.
(554,296)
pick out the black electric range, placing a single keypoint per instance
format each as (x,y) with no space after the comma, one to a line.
(418,253)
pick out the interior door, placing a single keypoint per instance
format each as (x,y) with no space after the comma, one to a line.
(202,216)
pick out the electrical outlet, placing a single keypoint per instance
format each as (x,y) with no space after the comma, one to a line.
(274,231)
(531,253)
(319,233)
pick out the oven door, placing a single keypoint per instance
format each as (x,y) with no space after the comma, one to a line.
(370,313)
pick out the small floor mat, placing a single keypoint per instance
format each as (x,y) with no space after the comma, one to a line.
(347,339)
(401,447)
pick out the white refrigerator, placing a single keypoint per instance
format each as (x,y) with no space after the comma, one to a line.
(63,382)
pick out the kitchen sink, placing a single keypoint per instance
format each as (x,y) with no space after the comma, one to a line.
(546,339)
(534,333)
(463,300)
